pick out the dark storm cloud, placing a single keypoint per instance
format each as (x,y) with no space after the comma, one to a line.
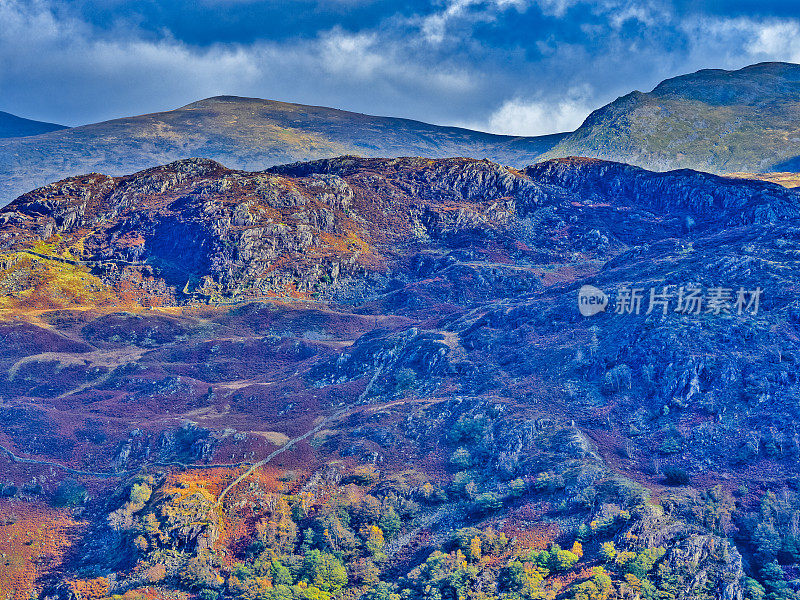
(526,66)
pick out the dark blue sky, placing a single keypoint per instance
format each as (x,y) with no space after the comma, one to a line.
(521,66)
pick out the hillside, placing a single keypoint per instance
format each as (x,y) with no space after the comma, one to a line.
(12,126)
(712,120)
(241,133)
(370,378)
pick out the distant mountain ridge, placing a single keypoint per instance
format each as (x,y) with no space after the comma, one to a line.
(242,133)
(712,120)
(12,126)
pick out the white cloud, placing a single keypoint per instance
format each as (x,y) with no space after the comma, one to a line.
(745,39)
(104,76)
(639,14)
(778,40)
(539,117)
(351,54)
(556,8)
(366,57)
(436,26)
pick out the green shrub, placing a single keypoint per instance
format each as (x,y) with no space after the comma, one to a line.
(324,571)
(461,459)
(390,522)
(468,430)
(676,476)
(671,445)
(753,590)
(487,502)
(607,552)
(562,560)
(381,591)
(517,488)
(69,493)
(280,574)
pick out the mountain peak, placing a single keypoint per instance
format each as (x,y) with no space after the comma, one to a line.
(711,120)
(228,99)
(243,133)
(762,82)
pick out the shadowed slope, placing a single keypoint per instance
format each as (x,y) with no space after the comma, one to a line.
(12,126)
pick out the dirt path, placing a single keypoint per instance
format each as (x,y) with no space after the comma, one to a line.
(284,448)
(47,463)
(253,467)
(319,426)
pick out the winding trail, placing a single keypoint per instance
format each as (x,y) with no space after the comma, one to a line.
(47,463)
(252,466)
(326,421)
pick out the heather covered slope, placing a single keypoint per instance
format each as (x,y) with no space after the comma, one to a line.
(242,133)
(400,340)
(351,228)
(713,120)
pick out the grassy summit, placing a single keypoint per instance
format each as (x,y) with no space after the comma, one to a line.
(713,120)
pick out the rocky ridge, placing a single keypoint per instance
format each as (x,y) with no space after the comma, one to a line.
(427,309)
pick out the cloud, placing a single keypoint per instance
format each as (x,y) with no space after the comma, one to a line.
(777,40)
(40,52)
(556,8)
(745,40)
(435,27)
(98,76)
(511,66)
(364,56)
(539,117)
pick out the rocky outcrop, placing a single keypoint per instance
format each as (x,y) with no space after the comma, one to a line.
(701,200)
(208,233)
(695,564)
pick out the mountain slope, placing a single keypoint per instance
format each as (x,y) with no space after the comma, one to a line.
(371,376)
(242,133)
(712,120)
(13,126)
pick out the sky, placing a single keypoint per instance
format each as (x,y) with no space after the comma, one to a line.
(526,67)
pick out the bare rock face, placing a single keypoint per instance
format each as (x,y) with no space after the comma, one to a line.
(719,566)
(705,120)
(705,200)
(694,562)
(299,230)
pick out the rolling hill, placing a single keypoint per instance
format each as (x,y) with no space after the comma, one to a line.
(241,133)
(712,120)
